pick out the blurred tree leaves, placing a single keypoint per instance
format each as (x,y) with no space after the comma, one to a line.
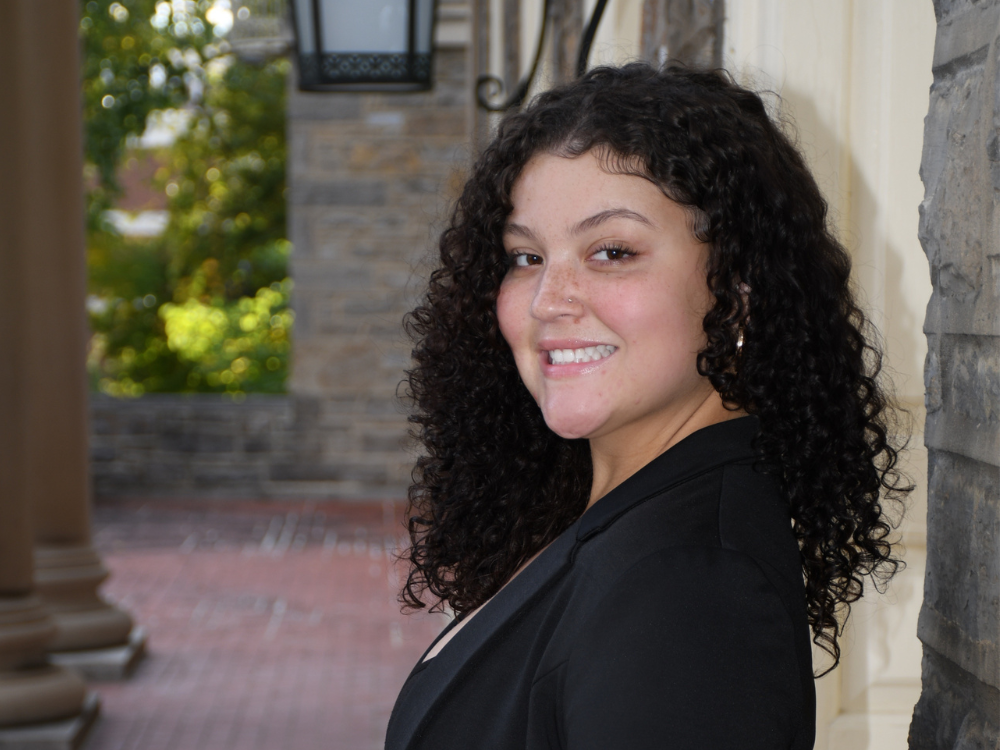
(223,256)
(127,74)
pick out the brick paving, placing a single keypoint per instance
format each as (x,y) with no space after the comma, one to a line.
(271,625)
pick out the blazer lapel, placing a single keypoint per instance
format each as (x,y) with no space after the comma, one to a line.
(459,655)
(700,452)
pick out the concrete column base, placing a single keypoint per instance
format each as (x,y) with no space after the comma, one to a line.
(105,664)
(67,734)
(67,577)
(32,691)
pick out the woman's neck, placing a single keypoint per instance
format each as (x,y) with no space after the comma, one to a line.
(617,456)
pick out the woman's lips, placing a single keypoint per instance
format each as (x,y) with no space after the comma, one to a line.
(573,358)
(581,354)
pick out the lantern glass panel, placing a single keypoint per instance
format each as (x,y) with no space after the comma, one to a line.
(370,26)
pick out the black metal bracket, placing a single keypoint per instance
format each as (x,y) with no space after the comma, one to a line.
(490,88)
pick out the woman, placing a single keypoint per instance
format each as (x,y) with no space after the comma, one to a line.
(656,446)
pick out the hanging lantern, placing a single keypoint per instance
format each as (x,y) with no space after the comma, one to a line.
(371,45)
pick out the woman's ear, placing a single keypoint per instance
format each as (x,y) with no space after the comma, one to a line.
(745,294)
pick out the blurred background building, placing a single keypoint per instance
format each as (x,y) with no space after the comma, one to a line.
(250,260)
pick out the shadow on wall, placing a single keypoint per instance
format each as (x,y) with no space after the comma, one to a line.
(880,668)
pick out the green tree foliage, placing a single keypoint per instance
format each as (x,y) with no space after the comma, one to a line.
(127,73)
(204,306)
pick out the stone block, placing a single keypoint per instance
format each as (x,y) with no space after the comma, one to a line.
(955,710)
(434,123)
(101,419)
(184,441)
(964,28)
(318,106)
(962,382)
(258,444)
(102,452)
(367,306)
(319,276)
(389,441)
(426,185)
(960,618)
(303,304)
(163,473)
(234,478)
(340,472)
(957,234)
(339,193)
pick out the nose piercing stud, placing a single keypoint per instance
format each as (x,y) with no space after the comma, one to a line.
(569,299)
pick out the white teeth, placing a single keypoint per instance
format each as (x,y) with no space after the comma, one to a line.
(584,354)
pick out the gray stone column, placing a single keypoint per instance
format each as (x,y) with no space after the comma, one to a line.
(959,625)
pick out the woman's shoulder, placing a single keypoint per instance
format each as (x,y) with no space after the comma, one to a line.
(733,506)
(689,597)
(702,640)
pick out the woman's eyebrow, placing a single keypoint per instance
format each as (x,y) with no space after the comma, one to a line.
(519,230)
(612,213)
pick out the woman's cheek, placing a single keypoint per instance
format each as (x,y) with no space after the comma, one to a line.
(506,316)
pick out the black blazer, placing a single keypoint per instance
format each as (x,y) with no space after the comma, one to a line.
(670,615)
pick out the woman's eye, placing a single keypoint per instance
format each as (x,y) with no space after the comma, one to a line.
(525,259)
(613,253)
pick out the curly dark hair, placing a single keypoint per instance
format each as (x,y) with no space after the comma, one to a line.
(494,484)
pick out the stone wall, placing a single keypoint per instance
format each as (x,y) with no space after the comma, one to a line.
(198,444)
(959,624)
(205,445)
(371,176)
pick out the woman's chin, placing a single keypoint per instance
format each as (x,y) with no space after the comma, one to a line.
(572,426)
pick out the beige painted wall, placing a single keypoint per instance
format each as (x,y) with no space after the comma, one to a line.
(853,78)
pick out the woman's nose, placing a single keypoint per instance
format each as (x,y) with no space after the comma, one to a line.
(557,295)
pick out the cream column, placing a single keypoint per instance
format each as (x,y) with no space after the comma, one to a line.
(54,467)
(31,691)
(853,78)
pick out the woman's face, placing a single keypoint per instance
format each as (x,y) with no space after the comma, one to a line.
(604,300)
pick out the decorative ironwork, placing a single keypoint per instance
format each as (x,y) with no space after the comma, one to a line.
(588,37)
(490,88)
(358,67)
(331,57)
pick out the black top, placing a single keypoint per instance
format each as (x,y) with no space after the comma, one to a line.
(670,615)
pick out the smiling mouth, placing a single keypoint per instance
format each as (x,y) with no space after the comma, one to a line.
(584,354)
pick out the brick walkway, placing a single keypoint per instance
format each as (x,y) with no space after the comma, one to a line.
(272,625)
